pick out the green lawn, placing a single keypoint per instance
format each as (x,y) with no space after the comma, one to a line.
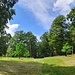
(59,65)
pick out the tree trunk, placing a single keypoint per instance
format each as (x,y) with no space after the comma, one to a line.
(19,56)
(30,50)
(72,50)
(65,53)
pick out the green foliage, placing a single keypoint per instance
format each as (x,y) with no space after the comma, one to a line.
(52,43)
(18,37)
(67,48)
(29,41)
(39,49)
(4,42)
(57,34)
(71,20)
(44,45)
(26,54)
(19,49)
(10,52)
(6,13)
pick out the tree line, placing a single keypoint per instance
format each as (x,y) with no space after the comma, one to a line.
(59,40)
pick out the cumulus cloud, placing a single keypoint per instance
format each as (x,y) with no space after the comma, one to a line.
(40,10)
(12,28)
(63,6)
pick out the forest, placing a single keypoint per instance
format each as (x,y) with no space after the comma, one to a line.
(59,40)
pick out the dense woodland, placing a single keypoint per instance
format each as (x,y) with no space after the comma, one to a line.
(59,40)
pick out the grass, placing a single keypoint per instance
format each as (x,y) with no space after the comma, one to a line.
(59,65)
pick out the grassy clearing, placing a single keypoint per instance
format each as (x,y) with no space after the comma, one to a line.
(59,65)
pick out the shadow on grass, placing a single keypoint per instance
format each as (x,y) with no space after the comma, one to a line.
(33,68)
(57,70)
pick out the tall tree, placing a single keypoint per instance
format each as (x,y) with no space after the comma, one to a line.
(71,20)
(4,42)
(19,36)
(6,13)
(39,49)
(57,34)
(45,50)
(31,44)
(29,41)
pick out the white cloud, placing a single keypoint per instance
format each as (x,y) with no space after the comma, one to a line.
(38,37)
(63,6)
(40,9)
(12,28)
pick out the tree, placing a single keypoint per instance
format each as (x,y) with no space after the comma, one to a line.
(31,44)
(71,22)
(6,13)
(19,36)
(67,48)
(19,49)
(45,50)
(39,50)
(57,34)
(4,42)
(29,41)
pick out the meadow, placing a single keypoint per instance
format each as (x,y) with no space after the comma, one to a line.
(58,65)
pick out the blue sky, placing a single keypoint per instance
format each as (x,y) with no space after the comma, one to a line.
(37,15)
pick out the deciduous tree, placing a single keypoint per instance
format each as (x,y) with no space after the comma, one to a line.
(19,49)
(6,13)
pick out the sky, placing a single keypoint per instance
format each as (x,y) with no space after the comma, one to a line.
(37,15)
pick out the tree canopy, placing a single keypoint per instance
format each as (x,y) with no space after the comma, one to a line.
(60,39)
(57,34)
(6,13)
